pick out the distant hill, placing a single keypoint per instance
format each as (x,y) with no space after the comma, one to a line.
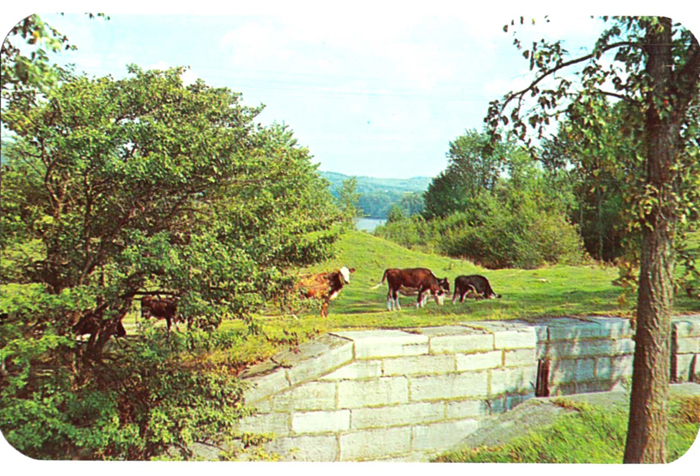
(378,195)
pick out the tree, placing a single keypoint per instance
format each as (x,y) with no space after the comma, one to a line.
(472,170)
(347,201)
(144,185)
(655,72)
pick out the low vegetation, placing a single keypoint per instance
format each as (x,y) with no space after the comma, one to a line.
(592,435)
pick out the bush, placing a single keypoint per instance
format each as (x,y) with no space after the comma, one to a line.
(150,397)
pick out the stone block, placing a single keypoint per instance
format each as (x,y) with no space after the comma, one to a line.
(688,326)
(356,370)
(572,370)
(419,365)
(466,408)
(398,415)
(513,380)
(463,343)
(321,448)
(367,445)
(441,436)
(581,348)
(440,387)
(520,357)
(603,368)
(624,346)
(688,345)
(270,423)
(318,360)
(687,367)
(321,422)
(380,392)
(265,385)
(314,396)
(480,361)
(385,343)
(516,339)
(622,366)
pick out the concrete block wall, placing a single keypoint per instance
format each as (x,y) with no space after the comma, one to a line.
(405,395)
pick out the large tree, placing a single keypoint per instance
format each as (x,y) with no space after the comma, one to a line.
(115,188)
(653,66)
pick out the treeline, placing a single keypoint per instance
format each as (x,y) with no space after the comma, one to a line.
(375,197)
(506,206)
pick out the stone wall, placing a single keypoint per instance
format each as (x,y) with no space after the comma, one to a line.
(405,395)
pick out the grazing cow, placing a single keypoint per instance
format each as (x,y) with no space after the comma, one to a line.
(475,286)
(421,279)
(165,308)
(324,286)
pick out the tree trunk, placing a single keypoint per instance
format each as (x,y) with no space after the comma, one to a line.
(646,436)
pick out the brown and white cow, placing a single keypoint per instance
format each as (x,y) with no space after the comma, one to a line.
(161,308)
(324,286)
(422,279)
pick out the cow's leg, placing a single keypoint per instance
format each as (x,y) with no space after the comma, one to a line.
(324,308)
(419,303)
(397,304)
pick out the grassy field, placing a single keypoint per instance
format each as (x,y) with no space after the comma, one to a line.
(552,291)
(594,435)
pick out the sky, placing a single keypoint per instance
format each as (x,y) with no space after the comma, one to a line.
(373,89)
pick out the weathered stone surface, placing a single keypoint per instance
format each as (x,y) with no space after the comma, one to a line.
(624,346)
(419,365)
(269,423)
(512,380)
(320,448)
(687,366)
(581,348)
(398,415)
(356,370)
(466,408)
(519,357)
(442,435)
(466,384)
(572,370)
(364,393)
(385,343)
(688,345)
(317,358)
(264,385)
(687,326)
(371,444)
(321,422)
(313,396)
(479,361)
(516,339)
(462,343)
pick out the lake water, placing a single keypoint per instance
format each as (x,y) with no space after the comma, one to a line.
(369,224)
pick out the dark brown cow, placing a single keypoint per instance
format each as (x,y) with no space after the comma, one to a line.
(421,279)
(161,308)
(324,286)
(475,286)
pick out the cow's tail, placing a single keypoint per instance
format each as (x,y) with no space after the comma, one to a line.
(382,281)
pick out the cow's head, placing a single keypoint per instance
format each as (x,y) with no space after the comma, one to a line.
(444,285)
(345,274)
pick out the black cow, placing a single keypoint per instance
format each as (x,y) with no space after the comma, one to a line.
(421,279)
(475,286)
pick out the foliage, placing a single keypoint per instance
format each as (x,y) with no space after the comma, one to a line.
(377,195)
(520,221)
(471,171)
(116,188)
(592,435)
(347,201)
(141,401)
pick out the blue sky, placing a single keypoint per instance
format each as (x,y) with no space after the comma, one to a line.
(375,89)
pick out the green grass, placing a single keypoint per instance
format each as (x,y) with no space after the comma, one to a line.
(591,435)
(552,291)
